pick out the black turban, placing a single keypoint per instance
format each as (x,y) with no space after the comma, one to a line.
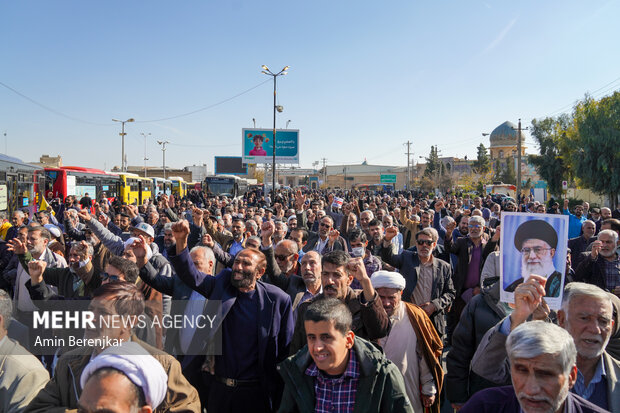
(536,229)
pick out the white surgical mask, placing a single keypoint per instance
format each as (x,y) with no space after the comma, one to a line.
(357,251)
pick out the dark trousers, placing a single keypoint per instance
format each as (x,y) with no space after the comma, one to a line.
(224,399)
(454,315)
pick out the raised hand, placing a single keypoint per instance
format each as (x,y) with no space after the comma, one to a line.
(207,241)
(36,268)
(390,233)
(84,215)
(528,296)
(17,246)
(180,231)
(104,219)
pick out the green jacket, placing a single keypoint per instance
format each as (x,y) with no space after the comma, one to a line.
(381,387)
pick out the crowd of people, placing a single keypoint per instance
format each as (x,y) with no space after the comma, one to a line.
(326,301)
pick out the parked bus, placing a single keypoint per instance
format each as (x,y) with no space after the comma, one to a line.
(19,184)
(225,185)
(135,188)
(179,186)
(162,186)
(78,181)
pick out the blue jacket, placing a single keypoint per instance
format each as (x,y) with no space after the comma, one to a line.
(275,317)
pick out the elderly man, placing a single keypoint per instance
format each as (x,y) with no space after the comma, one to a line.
(586,314)
(370,320)
(36,245)
(537,240)
(112,299)
(542,362)
(428,279)
(601,267)
(23,375)
(245,374)
(77,280)
(338,371)
(580,244)
(17,220)
(412,345)
(124,378)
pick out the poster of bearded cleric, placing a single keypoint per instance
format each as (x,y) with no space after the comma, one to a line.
(533,244)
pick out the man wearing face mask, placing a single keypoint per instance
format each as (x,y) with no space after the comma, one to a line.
(359,244)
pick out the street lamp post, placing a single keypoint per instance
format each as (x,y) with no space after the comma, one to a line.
(163,149)
(145,158)
(275,108)
(123,140)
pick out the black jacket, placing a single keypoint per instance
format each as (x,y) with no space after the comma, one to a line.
(481,314)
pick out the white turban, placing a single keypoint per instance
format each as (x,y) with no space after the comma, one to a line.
(138,365)
(387,279)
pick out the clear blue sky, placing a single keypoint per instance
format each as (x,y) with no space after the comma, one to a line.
(365,76)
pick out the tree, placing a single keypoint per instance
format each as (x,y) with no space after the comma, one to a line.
(482,164)
(432,163)
(508,172)
(595,144)
(498,171)
(555,159)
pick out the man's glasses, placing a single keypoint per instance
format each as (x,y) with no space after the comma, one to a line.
(325,225)
(475,226)
(537,250)
(111,278)
(281,257)
(426,242)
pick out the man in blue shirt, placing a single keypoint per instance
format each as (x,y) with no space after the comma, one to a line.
(574,220)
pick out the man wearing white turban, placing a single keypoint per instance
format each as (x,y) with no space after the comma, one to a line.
(123,378)
(413,344)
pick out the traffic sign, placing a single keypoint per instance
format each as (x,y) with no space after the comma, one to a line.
(388,179)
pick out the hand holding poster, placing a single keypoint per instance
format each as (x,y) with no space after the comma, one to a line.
(533,244)
(337,203)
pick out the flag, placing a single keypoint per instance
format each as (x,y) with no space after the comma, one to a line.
(45,206)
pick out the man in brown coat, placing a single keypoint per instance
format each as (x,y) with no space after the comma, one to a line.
(63,391)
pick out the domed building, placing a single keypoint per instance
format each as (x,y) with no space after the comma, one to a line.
(503,141)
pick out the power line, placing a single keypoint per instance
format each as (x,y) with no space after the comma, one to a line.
(41,105)
(206,107)
(143,121)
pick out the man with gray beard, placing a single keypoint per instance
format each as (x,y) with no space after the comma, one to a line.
(543,366)
(245,374)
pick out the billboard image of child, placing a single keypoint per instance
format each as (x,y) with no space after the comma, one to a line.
(258,147)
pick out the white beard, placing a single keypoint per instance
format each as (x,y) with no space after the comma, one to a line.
(544,269)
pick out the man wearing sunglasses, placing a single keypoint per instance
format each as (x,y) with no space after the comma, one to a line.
(428,280)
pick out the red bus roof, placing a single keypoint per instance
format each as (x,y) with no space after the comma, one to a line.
(87,170)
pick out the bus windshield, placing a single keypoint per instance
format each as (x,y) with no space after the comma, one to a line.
(221,186)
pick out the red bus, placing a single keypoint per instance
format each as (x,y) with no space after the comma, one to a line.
(75,180)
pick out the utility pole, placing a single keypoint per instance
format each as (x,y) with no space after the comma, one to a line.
(344,170)
(145,158)
(324,172)
(408,167)
(163,149)
(519,129)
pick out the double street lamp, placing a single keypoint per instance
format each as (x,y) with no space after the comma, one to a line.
(123,140)
(279,109)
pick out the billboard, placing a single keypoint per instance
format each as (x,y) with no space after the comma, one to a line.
(230,165)
(257,145)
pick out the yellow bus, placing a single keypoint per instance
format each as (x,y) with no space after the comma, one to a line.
(179,186)
(135,189)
